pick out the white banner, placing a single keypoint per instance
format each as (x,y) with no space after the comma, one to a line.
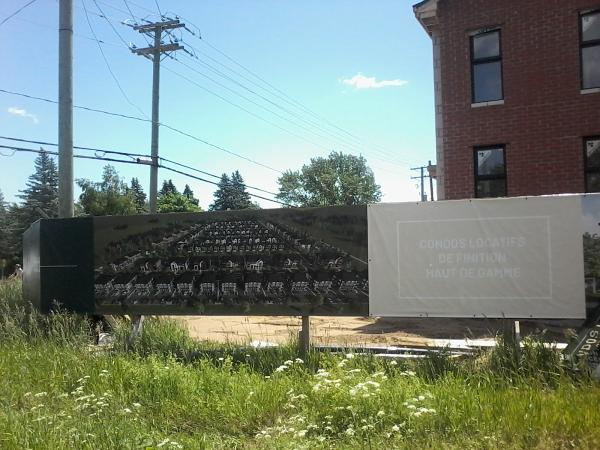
(514,258)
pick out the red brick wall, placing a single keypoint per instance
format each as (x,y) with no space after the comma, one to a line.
(544,115)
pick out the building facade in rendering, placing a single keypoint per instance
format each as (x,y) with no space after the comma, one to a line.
(517,93)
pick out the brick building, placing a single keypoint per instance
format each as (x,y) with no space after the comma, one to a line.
(517,92)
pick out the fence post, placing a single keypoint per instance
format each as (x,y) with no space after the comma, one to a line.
(304,338)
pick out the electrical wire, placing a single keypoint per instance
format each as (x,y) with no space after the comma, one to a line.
(140,119)
(112,74)
(99,158)
(10,16)
(214,176)
(246,110)
(133,156)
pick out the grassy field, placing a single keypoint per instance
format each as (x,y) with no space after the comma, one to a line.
(57,391)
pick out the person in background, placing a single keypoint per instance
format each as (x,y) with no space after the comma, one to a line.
(18,273)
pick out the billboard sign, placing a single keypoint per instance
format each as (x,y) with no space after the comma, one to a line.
(515,257)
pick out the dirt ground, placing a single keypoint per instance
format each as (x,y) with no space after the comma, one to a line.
(361,330)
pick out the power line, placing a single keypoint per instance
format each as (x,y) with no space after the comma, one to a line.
(99,158)
(112,152)
(10,16)
(132,155)
(114,77)
(217,184)
(328,134)
(226,100)
(336,134)
(31,150)
(282,93)
(215,176)
(140,119)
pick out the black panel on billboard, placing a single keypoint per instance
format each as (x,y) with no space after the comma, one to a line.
(285,261)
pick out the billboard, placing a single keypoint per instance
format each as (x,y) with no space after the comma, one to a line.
(252,262)
(514,257)
(534,257)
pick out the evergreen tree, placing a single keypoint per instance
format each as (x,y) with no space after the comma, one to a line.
(241,196)
(189,194)
(222,197)
(231,194)
(139,196)
(40,197)
(4,230)
(168,188)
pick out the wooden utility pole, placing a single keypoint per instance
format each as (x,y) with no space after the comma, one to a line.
(154,53)
(422,177)
(65,109)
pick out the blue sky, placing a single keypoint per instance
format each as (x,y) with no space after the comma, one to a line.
(304,48)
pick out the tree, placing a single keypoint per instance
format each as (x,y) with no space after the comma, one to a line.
(175,202)
(168,188)
(139,196)
(338,179)
(40,197)
(187,192)
(4,229)
(231,194)
(241,196)
(109,197)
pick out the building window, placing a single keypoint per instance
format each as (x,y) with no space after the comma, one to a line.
(592,164)
(490,172)
(590,50)
(486,67)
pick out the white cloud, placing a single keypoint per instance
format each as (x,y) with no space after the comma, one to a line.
(21,112)
(359,81)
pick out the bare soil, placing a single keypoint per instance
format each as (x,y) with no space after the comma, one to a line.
(361,330)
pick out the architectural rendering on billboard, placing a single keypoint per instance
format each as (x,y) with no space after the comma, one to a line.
(287,261)
(534,257)
(516,257)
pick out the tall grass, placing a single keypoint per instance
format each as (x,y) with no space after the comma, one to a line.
(168,391)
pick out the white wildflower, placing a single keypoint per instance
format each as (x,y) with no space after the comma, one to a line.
(289,362)
(349,355)
(395,428)
(350,431)
(393,363)
(281,368)
(41,394)
(380,413)
(299,361)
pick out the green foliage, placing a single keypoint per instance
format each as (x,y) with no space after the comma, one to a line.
(231,194)
(175,202)
(189,194)
(169,391)
(138,194)
(338,179)
(167,188)
(109,197)
(39,199)
(41,193)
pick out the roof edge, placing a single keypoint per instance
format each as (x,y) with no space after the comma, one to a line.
(426,13)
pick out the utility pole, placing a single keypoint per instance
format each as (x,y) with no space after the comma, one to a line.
(431,174)
(430,169)
(65,109)
(422,177)
(154,53)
